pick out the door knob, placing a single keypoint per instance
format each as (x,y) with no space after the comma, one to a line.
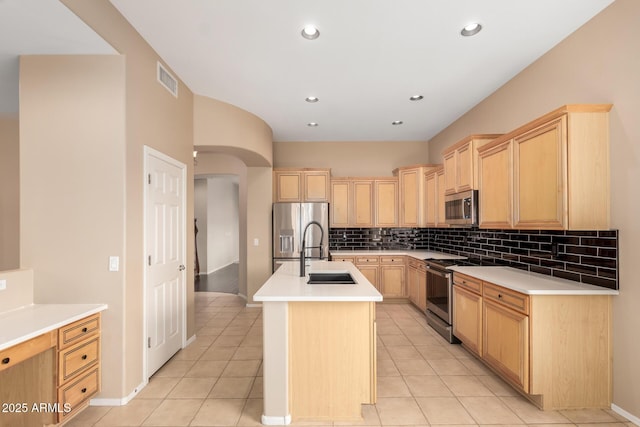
(181,268)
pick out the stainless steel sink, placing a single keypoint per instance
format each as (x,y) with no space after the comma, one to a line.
(331,278)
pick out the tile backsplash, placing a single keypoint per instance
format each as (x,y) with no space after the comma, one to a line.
(583,256)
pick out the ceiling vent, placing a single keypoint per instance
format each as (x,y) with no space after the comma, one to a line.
(167,80)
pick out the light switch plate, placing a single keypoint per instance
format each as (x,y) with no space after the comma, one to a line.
(114,263)
(3,284)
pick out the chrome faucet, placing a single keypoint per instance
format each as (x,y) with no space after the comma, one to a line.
(304,248)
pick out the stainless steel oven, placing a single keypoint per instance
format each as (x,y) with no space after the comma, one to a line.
(440,297)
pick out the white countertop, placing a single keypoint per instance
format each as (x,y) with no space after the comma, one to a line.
(287,285)
(418,254)
(28,322)
(532,283)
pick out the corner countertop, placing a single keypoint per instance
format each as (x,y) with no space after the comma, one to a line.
(417,254)
(287,285)
(22,324)
(532,283)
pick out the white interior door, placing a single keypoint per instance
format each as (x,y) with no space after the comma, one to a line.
(165,230)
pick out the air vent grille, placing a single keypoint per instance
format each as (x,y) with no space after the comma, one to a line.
(167,80)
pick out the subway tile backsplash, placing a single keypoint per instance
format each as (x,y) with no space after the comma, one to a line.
(583,256)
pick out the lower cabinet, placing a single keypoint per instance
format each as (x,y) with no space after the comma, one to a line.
(392,277)
(467,318)
(505,343)
(555,349)
(416,279)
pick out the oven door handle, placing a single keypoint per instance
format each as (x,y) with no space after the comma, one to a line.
(438,273)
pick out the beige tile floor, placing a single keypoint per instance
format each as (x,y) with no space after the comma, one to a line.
(422,380)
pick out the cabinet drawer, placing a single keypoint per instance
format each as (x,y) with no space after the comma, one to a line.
(77,331)
(468,282)
(20,352)
(395,259)
(414,263)
(367,260)
(343,259)
(77,358)
(74,394)
(508,298)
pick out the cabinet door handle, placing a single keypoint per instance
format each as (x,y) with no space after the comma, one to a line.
(6,360)
(84,390)
(84,357)
(84,330)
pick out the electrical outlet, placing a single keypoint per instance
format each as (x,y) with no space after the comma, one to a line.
(114,263)
(3,284)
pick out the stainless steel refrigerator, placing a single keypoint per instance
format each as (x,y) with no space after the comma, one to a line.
(290,221)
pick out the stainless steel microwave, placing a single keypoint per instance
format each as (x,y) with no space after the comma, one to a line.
(461,209)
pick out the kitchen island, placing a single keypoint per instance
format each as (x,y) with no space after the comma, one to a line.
(319,345)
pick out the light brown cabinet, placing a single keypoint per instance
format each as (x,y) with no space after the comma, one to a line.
(301,185)
(467,312)
(558,176)
(434,197)
(60,368)
(412,195)
(351,202)
(369,266)
(416,280)
(460,163)
(392,277)
(386,202)
(495,177)
(556,349)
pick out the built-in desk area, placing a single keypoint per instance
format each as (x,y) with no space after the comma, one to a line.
(49,362)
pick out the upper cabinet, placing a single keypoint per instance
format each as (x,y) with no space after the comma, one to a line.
(351,202)
(555,172)
(385,202)
(460,163)
(412,195)
(301,185)
(434,197)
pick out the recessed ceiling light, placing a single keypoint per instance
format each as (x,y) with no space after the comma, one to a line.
(311,99)
(312,124)
(471,29)
(416,97)
(397,122)
(310,32)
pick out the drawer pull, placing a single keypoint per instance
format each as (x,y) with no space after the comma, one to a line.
(499,296)
(84,330)
(464,282)
(6,360)
(84,390)
(84,357)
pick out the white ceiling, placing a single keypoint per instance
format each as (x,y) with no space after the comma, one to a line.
(29,27)
(370,57)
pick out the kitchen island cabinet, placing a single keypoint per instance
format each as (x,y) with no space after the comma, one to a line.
(549,338)
(319,346)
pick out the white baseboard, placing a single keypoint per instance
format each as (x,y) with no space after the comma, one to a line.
(219,268)
(254,305)
(276,421)
(119,402)
(189,341)
(618,410)
(243,296)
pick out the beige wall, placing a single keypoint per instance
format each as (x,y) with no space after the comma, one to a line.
(19,290)
(259,202)
(157,119)
(599,63)
(227,129)
(72,195)
(9,194)
(352,158)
